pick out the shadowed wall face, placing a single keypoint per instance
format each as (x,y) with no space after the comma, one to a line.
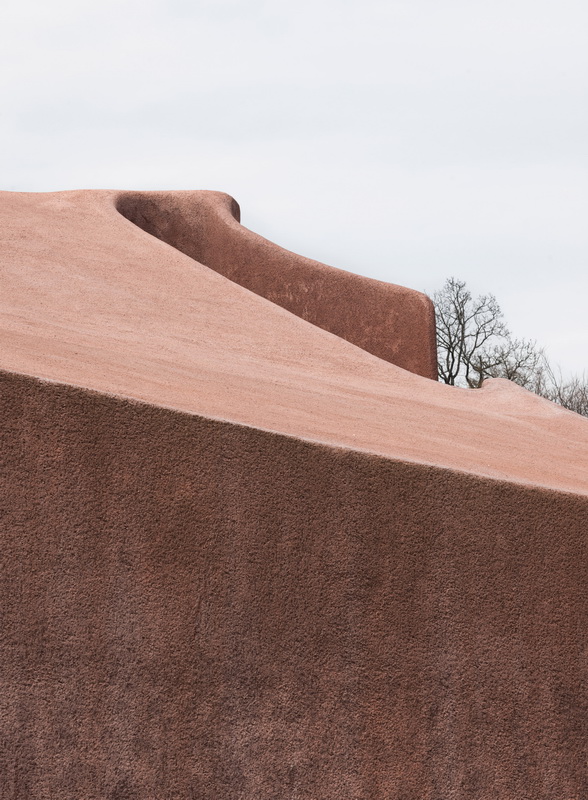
(389,321)
(193,609)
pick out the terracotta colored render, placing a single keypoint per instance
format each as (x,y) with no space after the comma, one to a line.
(247,556)
(392,322)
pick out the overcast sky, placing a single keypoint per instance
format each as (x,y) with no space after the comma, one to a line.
(404,140)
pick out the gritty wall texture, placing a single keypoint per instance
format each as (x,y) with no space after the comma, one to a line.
(392,322)
(90,299)
(194,609)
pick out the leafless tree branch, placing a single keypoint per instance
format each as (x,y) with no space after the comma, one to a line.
(474,343)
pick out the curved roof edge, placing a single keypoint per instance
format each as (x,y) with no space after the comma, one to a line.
(391,322)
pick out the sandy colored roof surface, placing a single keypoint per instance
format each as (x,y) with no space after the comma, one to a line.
(90,299)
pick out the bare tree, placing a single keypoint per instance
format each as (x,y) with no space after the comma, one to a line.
(517,360)
(464,328)
(474,343)
(571,393)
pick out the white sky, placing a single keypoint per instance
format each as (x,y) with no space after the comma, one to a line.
(407,140)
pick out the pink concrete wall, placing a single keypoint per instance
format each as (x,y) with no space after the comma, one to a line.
(389,321)
(195,609)
(383,599)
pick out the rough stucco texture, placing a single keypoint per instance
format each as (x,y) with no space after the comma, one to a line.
(389,321)
(294,570)
(90,299)
(194,609)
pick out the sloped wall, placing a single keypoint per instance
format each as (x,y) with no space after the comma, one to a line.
(389,321)
(194,609)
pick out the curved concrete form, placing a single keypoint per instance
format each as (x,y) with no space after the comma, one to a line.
(391,322)
(247,556)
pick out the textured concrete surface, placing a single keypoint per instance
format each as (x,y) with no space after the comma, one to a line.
(89,299)
(391,322)
(292,570)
